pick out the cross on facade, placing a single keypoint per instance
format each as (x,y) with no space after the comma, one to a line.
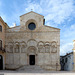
(31,9)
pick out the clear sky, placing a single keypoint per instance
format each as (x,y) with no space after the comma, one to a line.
(57,13)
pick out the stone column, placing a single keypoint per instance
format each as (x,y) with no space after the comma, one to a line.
(74,54)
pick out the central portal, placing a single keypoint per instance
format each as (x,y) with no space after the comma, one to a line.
(32,59)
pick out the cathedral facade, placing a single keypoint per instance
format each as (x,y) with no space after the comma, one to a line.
(32,43)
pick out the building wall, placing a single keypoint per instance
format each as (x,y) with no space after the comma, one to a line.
(43,42)
(2,34)
(2,37)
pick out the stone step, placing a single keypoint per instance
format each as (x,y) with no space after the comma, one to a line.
(29,67)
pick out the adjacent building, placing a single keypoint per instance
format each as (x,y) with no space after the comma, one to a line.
(66,62)
(3,27)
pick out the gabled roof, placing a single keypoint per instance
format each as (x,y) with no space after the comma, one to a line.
(32,12)
(4,23)
(51,27)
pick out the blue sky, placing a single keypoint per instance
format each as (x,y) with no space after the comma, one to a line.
(57,13)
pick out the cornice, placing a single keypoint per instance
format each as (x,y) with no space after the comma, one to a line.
(30,31)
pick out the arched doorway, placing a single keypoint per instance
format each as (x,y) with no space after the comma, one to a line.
(32,52)
(1,62)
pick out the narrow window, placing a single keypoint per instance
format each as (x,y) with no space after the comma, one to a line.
(0,44)
(0,28)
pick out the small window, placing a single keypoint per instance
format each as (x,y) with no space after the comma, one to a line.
(0,28)
(0,44)
(66,60)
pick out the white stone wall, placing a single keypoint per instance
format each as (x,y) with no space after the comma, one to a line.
(43,42)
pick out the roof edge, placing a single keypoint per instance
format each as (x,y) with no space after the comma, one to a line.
(32,12)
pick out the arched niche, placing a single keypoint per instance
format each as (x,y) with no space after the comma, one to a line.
(47,47)
(31,50)
(53,47)
(41,47)
(54,43)
(31,42)
(17,47)
(23,46)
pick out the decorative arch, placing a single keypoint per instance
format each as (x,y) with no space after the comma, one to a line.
(54,47)
(47,47)
(23,47)
(41,47)
(54,43)
(41,43)
(32,50)
(17,47)
(32,42)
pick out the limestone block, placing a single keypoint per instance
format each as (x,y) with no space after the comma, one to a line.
(41,59)
(47,59)
(16,58)
(54,58)
(23,59)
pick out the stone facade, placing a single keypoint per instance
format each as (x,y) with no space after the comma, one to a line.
(43,43)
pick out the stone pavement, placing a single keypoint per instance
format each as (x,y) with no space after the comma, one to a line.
(9,72)
(34,70)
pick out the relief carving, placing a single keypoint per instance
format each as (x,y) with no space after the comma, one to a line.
(17,47)
(41,47)
(54,47)
(32,42)
(31,50)
(47,47)
(23,47)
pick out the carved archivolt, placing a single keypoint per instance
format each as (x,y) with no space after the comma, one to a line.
(41,47)
(54,44)
(31,50)
(17,47)
(32,42)
(54,47)
(23,47)
(47,47)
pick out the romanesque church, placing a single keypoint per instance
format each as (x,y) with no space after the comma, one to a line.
(29,44)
